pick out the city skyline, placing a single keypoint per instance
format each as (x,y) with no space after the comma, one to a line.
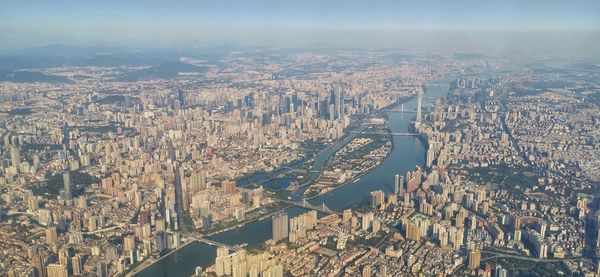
(300,138)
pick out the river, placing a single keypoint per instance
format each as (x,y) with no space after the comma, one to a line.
(408,153)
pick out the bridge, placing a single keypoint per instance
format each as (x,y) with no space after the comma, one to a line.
(495,255)
(299,170)
(385,133)
(305,204)
(294,169)
(106,229)
(218,244)
(402,111)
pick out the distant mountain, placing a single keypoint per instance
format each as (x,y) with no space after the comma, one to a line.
(67,51)
(61,55)
(165,70)
(30,77)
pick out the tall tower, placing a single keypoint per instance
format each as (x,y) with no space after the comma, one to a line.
(419,104)
(338,101)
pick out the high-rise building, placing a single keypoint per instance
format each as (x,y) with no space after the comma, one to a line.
(412,231)
(15,156)
(301,224)
(64,257)
(398,184)
(474,259)
(77,265)
(243,264)
(430,156)
(129,243)
(339,105)
(517,222)
(419,104)
(376,226)
(228,187)
(377,198)
(57,270)
(499,271)
(347,215)
(280,226)
(382,271)
(38,261)
(102,269)
(542,227)
(331,112)
(198,271)
(366,221)
(367,271)
(51,235)
(222,251)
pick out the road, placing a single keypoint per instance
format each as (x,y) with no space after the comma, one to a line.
(526,258)
(179,201)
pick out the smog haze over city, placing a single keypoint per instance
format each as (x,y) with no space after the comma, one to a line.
(300,138)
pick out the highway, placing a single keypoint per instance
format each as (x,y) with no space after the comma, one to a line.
(179,201)
(497,255)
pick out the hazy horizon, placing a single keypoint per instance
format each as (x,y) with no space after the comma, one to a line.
(464,25)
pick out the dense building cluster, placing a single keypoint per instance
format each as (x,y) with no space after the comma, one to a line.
(108,172)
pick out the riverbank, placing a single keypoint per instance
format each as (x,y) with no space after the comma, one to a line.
(358,123)
(357,177)
(406,153)
(149,261)
(241,224)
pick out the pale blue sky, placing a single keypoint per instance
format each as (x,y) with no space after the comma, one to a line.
(188,23)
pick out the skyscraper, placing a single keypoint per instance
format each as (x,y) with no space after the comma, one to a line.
(280,226)
(338,102)
(398,184)
(331,112)
(419,104)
